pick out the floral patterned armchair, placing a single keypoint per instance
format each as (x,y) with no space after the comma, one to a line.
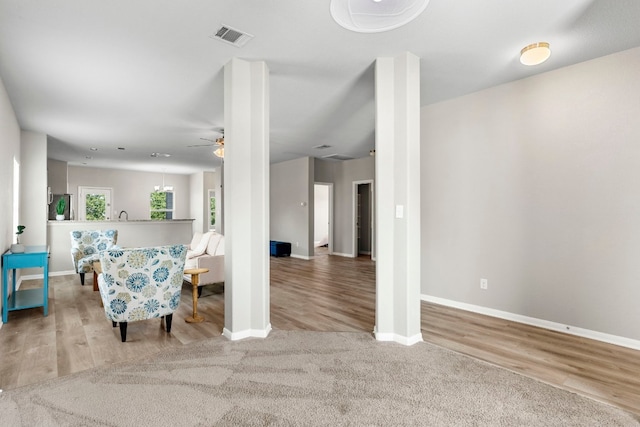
(141,283)
(86,245)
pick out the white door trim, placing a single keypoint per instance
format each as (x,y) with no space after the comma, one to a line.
(84,190)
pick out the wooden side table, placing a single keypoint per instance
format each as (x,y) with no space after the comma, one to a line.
(195,278)
(97,269)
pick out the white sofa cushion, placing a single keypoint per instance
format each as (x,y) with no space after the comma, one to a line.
(220,248)
(201,247)
(197,236)
(214,241)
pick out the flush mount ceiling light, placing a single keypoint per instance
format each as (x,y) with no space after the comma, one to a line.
(375,16)
(535,53)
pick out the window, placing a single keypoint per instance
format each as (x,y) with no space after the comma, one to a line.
(162,205)
(212,210)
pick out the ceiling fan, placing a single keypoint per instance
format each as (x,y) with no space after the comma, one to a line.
(218,142)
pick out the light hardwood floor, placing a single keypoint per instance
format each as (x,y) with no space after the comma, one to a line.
(326,294)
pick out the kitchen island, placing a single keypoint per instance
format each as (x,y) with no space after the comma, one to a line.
(134,233)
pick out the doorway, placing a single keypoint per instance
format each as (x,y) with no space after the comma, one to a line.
(363,219)
(323,218)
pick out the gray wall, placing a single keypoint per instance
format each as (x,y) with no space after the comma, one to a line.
(342,175)
(533,186)
(200,183)
(57,176)
(291,204)
(131,189)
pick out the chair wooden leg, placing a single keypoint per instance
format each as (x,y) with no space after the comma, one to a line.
(82,279)
(123,331)
(167,322)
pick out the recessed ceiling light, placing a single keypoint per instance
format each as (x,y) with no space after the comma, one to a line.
(160,155)
(535,53)
(367,16)
(93,149)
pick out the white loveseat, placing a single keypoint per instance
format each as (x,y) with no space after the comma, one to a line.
(206,251)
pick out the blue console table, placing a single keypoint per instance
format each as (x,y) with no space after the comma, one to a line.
(33,256)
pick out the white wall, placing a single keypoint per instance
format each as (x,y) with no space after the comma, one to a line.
(10,146)
(200,183)
(33,191)
(131,189)
(533,185)
(196,201)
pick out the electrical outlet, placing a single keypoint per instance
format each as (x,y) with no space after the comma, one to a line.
(484,284)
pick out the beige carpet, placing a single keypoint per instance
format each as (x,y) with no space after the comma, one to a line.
(303,379)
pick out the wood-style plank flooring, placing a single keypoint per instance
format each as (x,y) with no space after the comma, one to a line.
(328,293)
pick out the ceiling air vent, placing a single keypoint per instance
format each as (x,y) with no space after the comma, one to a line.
(232,36)
(337,157)
(322,147)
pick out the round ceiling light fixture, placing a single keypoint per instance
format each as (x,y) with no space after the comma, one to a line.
(375,16)
(535,53)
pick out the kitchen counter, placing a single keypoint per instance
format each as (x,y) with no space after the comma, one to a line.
(117,221)
(131,234)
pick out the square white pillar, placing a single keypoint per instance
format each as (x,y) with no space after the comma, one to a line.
(246,199)
(398,199)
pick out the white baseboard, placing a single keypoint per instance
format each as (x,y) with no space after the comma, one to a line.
(389,336)
(249,333)
(541,323)
(51,274)
(64,273)
(301,256)
(341,254)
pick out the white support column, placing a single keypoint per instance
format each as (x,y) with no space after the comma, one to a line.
(246,203)
(398,199)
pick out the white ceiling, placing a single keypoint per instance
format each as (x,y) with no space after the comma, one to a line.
(146,76)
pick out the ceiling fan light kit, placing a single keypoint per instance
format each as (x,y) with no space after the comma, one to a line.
(375,16)
(219,152)
(535,53)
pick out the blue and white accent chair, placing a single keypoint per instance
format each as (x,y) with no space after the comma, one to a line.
(86,245)
(141,283)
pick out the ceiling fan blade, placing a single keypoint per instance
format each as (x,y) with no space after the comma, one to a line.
(201,145)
